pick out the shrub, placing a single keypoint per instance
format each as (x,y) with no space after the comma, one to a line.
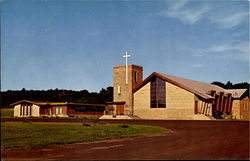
(27,122)
(123,126)
(86,124)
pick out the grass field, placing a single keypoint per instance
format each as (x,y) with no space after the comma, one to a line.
(7,113)
(30,134)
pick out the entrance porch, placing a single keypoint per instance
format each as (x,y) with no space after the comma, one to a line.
(116,110)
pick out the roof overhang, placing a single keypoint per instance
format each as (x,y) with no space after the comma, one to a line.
(172,82)
(116,103)
(40,103)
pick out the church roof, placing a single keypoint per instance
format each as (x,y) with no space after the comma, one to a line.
(196,87)
(236,93)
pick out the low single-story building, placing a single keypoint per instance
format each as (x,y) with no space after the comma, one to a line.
(26,108)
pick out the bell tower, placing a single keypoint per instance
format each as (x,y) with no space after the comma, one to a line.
(125,78)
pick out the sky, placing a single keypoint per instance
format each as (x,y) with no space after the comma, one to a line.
(75,44)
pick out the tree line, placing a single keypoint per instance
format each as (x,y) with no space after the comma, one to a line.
(56,95)
(229,85)
(82,96)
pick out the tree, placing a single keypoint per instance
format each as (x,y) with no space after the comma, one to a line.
(229,85)
(219,84)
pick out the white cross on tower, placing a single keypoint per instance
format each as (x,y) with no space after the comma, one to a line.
(126,56)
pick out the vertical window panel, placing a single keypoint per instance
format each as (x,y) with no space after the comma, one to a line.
(30,110)
(21,110)
(135,76)
(118,89)
(158,93)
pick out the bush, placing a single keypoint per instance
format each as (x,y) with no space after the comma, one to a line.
(86,124)
(123,126)
(27,122)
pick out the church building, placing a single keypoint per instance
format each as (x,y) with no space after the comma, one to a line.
(166,97)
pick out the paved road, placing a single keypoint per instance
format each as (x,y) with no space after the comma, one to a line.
(189,140)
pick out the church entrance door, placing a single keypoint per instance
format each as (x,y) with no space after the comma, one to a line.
(120,109)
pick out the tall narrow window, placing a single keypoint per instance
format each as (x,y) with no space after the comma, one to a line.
(196,107)
(158,93)
(118,90)
(30,110)
(135,76)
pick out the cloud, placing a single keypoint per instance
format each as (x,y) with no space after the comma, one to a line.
(236,51)
(188,16)
(228,21)
(177,9)
(238,47)
(220,14)
(197,65)
(174,5)
(197,52)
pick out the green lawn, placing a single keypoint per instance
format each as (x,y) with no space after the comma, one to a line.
(31,134)
(7,113)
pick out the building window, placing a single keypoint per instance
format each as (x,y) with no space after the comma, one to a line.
(58,110)
(158,93)
(119,90)
(196,107)
(135,76)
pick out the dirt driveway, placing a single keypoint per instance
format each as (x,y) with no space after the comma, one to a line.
(189,140)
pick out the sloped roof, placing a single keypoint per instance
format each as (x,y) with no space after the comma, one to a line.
(196,87)
(32,102)
(236,93)
(41,103)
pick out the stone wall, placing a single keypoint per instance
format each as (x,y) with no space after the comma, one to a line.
(240,108)
(17,110)
(236,109)
(179,104)
(35,110)
(244,108)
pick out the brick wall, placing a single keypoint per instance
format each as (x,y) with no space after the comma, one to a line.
(119,79)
